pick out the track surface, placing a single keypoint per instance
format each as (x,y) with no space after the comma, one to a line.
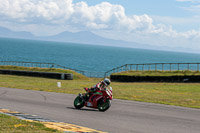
(123,116)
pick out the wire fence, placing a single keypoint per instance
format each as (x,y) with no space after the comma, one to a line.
(126,67)
(51,65)
(155,67)
(37,64)
(27,64)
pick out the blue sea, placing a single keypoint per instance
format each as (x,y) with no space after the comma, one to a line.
(91,58)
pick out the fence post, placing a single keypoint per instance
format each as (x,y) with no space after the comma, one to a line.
(126,67)
(142,67)
(137,67)
(133,67)
(197,67)
(162,67)
(188,66)
(149,67)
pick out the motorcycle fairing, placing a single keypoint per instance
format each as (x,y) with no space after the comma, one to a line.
(93,100)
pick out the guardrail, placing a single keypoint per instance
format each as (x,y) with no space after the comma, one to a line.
(38,64)
(51,65)
(155,67)
(27,64)
(126,67)
(86,73)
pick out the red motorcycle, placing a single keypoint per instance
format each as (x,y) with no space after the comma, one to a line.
(100,100)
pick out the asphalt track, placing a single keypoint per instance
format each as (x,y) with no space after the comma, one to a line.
(123,116)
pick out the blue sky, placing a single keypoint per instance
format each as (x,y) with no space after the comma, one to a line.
(163,23)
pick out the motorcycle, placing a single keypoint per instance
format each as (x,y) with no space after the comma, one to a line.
(100,100)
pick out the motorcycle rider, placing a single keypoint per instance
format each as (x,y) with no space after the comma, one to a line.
(102,85)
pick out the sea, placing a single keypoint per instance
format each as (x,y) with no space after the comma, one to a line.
(92,58)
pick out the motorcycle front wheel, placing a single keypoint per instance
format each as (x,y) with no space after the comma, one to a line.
(103,106)
(78,102)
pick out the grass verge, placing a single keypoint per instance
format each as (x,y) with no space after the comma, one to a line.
(180,94)
(75,74)
(158,73)
(10,124)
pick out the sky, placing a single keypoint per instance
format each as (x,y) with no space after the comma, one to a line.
(163,23)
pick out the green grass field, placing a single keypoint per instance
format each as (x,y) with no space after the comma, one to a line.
(10,124)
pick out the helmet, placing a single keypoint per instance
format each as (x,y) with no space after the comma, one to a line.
(106,81)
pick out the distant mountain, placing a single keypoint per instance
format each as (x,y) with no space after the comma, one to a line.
(4,32)
(85,37)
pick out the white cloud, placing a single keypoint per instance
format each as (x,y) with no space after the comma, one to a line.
(193,1)
(27,10)
(194,7)
(100,16)
(195,20)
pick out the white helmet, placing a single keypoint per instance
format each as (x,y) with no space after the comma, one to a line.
(106,81)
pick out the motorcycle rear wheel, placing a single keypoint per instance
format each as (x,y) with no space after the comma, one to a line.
(103,106)
(78,102)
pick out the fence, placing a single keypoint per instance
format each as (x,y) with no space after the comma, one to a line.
(27,64)
(155,67)
(51,65)
(37,64)
(126,67)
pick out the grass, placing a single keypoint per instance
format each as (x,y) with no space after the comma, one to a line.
(180,94)
(75,74)
(45,84)
(10,124)
(158,73)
